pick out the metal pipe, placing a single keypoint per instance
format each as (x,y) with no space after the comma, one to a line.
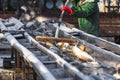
(60,20)
(99,41)
(29,56)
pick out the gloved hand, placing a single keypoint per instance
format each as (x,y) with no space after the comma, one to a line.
(67,9)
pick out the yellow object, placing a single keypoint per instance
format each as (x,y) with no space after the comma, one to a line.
(82,47)
(81,54)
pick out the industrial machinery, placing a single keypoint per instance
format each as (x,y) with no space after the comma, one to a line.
(36,54)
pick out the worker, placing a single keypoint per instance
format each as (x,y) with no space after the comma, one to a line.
(87,12)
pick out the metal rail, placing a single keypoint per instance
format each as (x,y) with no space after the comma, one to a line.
(74,71)
(36,63)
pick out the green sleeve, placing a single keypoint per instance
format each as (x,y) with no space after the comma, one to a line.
(84,10)
(74,3)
